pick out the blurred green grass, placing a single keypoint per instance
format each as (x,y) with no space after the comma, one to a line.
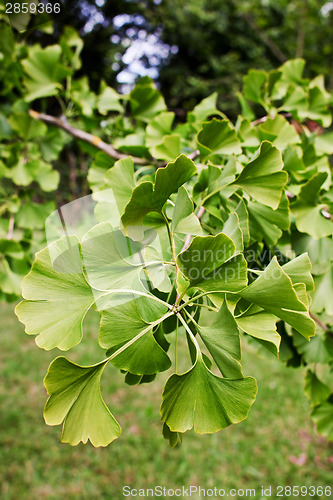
(260,451)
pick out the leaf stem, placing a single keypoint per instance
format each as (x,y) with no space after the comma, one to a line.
(189,331)
(191,318)
(137,337)
(320,323)
(192,299)
(134,292)
(179,297)
(206,306)
(172,243)
(209,195)
(176,347)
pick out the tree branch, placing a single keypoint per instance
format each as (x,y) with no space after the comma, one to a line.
(84,136)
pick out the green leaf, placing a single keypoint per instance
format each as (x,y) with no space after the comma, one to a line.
(146,101)
(299,271)
(260,325)
(205,109)
(11,248)
(322,297)
(208,264)
(148,197)
(19,19)
(307,213)
(52,143)
(173,437)
(112,261)
(245,107)
(156,269)
(263,178)
(120,178)
(76,400)
(132,144)
(266,223)
(320,252)
(108,100)
(200,399)
(295,100)
(124,326)
(218,137)
(316,391)
(168,149)
(318,108)
(243,218)
(57,296)
(293,162)
(23,173)
(71,45)
(159,127)
(248,134)
(183,219)
(232,229)
(311,220)
(254,86)
(5,130)
(9,280)
(44,71)
(26,126)
(33,215)
(98,168)
(323,418)
(279,131)
(274,292)
(82,96)
(292,70)
(211,181)
(47,178)
(310,190)
(324,144)
(222,341)
(318,350)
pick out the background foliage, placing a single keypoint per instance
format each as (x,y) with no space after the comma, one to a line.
(210,44)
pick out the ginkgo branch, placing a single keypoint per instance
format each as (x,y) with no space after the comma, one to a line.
(84,136)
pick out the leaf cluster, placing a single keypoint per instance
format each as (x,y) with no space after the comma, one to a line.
(205,234)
